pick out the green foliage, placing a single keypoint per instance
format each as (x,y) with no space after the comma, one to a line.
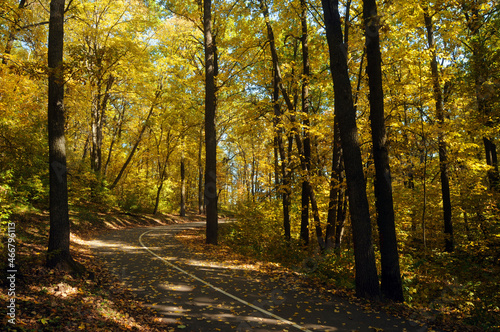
(336,268)
(258,233)
(5,199)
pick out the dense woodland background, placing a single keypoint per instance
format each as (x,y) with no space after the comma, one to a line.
(135,108)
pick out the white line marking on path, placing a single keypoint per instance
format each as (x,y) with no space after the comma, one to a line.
(220,290)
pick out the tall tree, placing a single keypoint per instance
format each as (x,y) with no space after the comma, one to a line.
(306,73)
(183,181)
(391,285)
(14,29)
(443,158)
(210,133)
(474,15)
(366,271)
(58,254)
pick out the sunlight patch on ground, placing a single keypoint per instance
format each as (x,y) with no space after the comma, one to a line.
(62,290)
(178,288)
(232,265)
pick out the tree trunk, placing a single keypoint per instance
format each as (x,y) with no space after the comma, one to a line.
(443,159)
(210,133)
(58,253)
(480,72)
(99,104)
(278,136)
(335,189)
(391,284)
(277,86)
(157,200)
(116,134)
(294,131)
(183,186)
(200,174)
(366,272)
(14,29)
(306,73)
(143,129)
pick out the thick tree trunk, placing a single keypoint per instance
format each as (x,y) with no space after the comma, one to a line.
(58,254)
(443,159)
(366,272)
(210,133)
(391,284)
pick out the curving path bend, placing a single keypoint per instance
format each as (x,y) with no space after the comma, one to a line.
(195,294)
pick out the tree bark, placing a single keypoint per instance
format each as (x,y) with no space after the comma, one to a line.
(443,158)
(143,129)
(335,190)
(278,136)
(306,73)
(480,72)
(116,134)
(210,133)
(391,284)
(58,253)
(201,209)
(366,272)
(294,131)
(183,186)
(99,104)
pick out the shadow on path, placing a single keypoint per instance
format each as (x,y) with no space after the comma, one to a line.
(195,294)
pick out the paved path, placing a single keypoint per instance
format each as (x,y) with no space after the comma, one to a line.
(199,295)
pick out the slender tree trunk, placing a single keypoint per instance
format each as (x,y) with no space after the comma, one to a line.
(480,72)
(99,104)
(116,134)
(278,135)
(294,131)
(14,29)
(143,129)
(391,284)
(277,87)
(341,218)
(200,174)
(306,73)
(443,158)
(58,254)
(366,272)
(183,186)
(158,195)
(210,133)
(335,189)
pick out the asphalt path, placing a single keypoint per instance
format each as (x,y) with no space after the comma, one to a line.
(193,293)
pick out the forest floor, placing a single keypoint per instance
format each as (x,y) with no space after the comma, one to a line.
(47,300)
(200,292)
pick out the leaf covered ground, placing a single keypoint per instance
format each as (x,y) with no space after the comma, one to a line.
(49,300)
(450,307)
